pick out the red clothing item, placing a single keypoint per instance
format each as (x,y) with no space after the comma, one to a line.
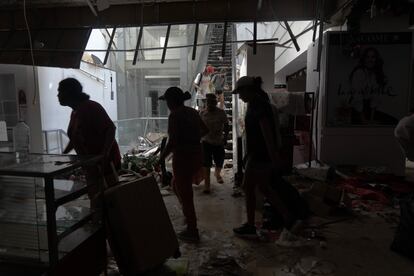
(87,130)
(184,134)
(185,165)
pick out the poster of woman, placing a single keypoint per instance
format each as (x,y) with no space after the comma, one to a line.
(368,83)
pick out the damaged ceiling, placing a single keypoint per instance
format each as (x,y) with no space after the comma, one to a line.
(124,13)
(51,47)
(57,26)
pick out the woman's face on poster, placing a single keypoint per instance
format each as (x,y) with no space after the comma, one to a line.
(370,59)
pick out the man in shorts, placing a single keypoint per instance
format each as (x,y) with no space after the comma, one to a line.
(214,142)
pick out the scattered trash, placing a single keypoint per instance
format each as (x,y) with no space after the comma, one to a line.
(219,253)
(222,265)
(305,265)
(237,192)
(165,192)
(372,170)
(179,266)
(315,266)
(273,271)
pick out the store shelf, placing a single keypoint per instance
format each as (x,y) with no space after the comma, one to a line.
(44,210)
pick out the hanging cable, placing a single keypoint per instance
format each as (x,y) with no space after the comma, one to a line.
(33,101)
(31,53)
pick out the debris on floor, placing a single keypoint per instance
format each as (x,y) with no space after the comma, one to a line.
(350,232)
(165,192)
(222,265)
(179,266)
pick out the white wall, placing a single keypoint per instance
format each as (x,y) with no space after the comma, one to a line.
(55,116)
(285,56)
(8,105)
(23,76)
(260,64)
(298,63)
(264,31)
(286,60)
(97,42)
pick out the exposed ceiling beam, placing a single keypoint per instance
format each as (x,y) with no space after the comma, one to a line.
(163,13)
(340,11)
(93,10)
(81,50)
(195,42)
(134,60)
(223,45)
(164,50)
(292,36)
(254,37)
(111,40)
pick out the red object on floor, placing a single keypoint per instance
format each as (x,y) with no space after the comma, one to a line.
(359,187)
(395,183)
(367,205)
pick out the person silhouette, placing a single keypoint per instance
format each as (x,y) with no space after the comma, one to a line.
(185,129)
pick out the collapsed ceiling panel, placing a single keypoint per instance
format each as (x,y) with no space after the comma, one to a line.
(51,47)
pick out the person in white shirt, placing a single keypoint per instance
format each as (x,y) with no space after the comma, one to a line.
(203,86)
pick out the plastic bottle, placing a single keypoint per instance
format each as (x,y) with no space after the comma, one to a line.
(21,139)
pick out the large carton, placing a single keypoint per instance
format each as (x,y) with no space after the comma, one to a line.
(140,232)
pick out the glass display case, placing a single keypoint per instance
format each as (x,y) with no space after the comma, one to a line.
(45,212)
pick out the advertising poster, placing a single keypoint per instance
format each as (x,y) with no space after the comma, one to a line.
(368,79)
